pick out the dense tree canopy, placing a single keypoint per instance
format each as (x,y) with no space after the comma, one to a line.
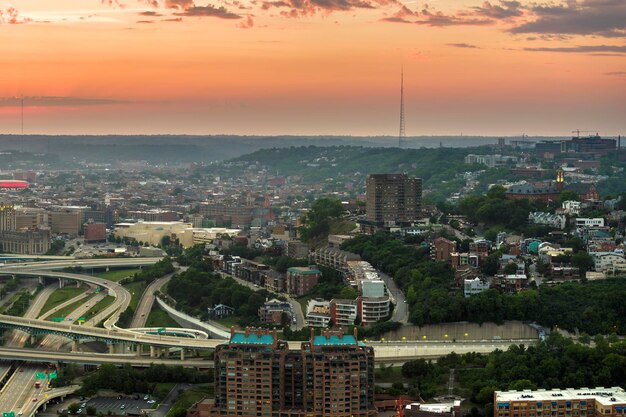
(316,222)
(555,363)
(594,307)
(493,209)
(195,290)
(131,380)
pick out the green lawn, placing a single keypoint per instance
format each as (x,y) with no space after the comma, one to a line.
(60,296)
(390,374)
(228,321)
(11,300)
(136,290)
(161,389)
(117,275)
(159,318)
(100,306)
(67,311)
(190,397)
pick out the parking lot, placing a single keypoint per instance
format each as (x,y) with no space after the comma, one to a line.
(121,407)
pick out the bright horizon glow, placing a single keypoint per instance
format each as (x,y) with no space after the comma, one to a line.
(250,67)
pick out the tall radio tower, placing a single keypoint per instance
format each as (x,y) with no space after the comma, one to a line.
(402,135)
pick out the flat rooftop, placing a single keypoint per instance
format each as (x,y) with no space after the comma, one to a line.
(604,396)
(252,339)
(334,340)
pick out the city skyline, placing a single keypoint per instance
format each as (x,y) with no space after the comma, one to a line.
(313,67)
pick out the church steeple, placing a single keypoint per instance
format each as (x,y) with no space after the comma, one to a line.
(560,179)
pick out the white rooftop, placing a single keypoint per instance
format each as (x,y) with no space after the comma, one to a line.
(432,408)
(604,396)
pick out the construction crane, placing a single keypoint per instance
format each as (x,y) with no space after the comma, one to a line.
(399,411)
(578,132)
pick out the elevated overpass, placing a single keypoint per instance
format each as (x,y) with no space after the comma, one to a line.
(84,263)
(384,351)
(82,358)
(388,353)
(12,257)
(121,294)
(113,336)
(171,331)
(31,409)
(50,269)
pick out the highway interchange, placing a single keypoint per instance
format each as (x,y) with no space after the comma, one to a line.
(20,394)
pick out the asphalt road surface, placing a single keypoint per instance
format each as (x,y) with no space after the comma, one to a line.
(169,400)
(52,342)
(123,406)
(18,338)
(147,300)
(401,311)
(295,305)
(19,393)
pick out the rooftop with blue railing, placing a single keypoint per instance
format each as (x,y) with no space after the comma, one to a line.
(252,339)
(252,336)
(334,340)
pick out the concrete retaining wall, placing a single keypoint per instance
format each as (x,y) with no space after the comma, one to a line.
(465,331)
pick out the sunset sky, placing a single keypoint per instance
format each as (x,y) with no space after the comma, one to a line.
(313,66)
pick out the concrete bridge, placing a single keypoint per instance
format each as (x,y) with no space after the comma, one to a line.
(127,341)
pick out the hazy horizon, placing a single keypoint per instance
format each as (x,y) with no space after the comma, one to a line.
(260,67)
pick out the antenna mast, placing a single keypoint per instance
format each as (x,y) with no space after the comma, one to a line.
(22,119)
(402,133)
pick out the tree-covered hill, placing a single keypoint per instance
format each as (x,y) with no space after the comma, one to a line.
(438,166)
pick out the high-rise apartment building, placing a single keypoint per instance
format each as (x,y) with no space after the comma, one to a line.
(339,376)
(393,198)
(257,375)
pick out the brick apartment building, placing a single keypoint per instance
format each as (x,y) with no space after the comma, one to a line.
(442,249)
(392,199)
(301,280)
(95,232)
(257,375)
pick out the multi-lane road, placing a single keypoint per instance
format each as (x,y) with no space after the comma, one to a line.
(18,338)
(20,392)
(147,300)
(39,355)
(52,342)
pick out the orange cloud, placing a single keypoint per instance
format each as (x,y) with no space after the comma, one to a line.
(11,16)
